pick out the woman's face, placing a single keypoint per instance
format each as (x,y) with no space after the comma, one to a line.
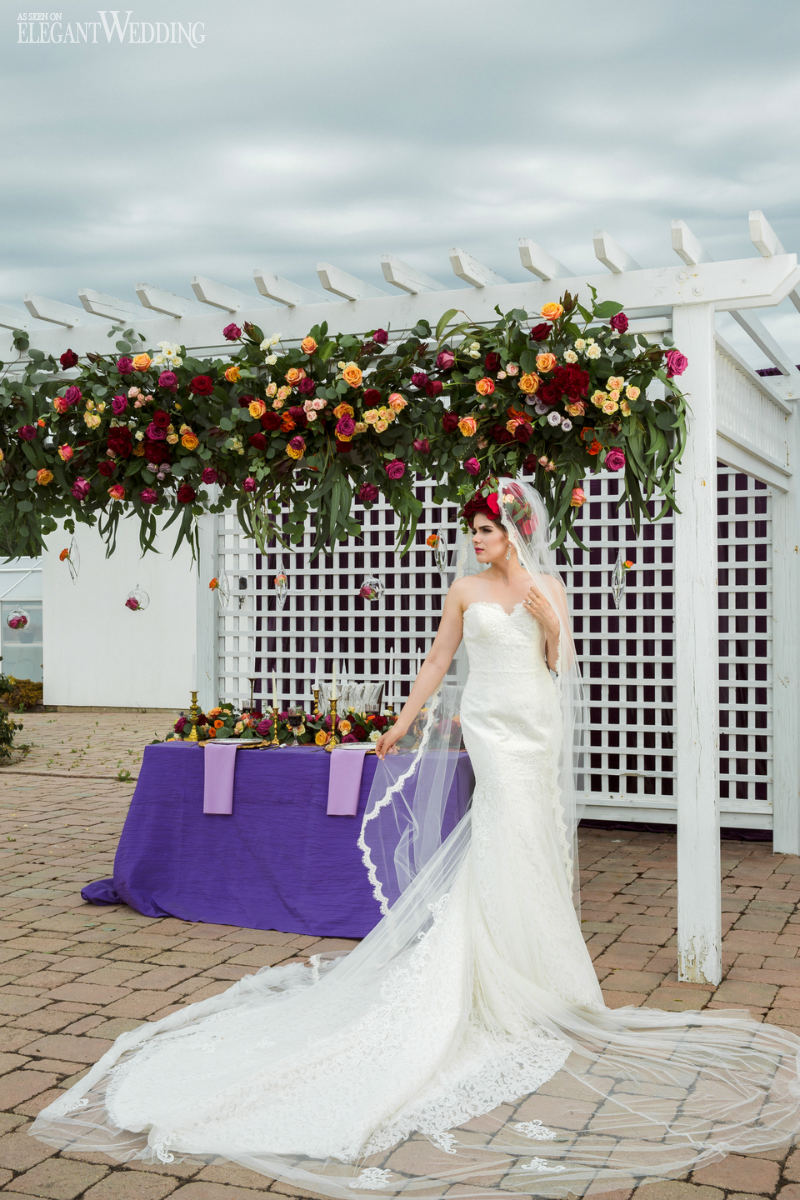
(489,540)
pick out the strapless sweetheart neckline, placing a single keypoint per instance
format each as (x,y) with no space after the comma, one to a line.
(494,604)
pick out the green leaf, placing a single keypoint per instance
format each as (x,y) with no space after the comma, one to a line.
(607,308)
(443,321)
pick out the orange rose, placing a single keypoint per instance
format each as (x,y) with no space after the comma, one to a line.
(43,477)
(577,498)
(343,410)
(213,583)
(218,724)
(552,311)
(232,374)
(141,362)
(529,383)
(545,362)
(467,426)
(352,374)
(485,386)
(321,738)
(64,554)
(294,375)
(212,733)
(138,450)
(345,726)
(397,402)
(190,441)
(308,345)
(60,404)
(288,423)
(256,408)
(595,447)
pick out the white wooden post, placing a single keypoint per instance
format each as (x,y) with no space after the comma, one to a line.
(207,615)
(696,682)
(786,658)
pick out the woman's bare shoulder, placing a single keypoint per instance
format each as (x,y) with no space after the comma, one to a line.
(465,589)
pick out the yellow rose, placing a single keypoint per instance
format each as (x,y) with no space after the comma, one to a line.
(381,426)
(529,383)
(632,393)
(308,345)
(361,427)
(184,429)
(294,452)
(321,738)
(232,374)
(545,362)
(625,408)
(43,477)
(2,456)
(294,375)
(343,410)
(138,450)
(610,406)
(172,438)
(371,416)
(552,311)
(141,362)
(352,374)
(256,408)
(599,398)
(284,393)
(190,441)
(467,426)
(92,420)
(271,389)
(614,394)
(344,726)
(616,383)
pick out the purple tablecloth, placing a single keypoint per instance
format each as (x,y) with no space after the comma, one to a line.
(278,862)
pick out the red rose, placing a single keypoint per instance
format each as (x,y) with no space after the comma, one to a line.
(258,440)
(492,361)
(380,721)
(68,359)
(368,493)
(298,414)
(549,393)
(201,385)
(161,419)
(245,401)
(492,505)
(500,434)
(270,420)
(540,333)
(530,464)
(449,421)
(619,322)
(307,386)
(372,397)
(120,441)
(156,452)
(433,387)
(359,733)
(523,433)
(573,381)
(380,336)
(186,494)
(106,468)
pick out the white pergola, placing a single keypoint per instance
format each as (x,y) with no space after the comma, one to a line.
(737,416)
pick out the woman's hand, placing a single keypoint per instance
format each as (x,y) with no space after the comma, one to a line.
(540,607)
(386,742)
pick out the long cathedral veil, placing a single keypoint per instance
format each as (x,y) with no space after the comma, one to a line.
(371,1072)
(409,811)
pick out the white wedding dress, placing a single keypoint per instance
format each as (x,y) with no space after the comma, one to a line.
(465,1041)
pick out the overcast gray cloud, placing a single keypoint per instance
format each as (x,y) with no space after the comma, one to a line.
(338,131)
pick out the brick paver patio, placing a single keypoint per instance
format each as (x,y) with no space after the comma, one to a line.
(74,976)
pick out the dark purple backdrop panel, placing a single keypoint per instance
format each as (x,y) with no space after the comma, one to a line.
(278,862)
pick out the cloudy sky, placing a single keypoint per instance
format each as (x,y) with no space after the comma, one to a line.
(338,130)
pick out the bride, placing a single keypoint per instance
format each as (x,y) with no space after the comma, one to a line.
(464,1043)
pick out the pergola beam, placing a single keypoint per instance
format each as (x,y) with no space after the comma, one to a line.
(535,259)
(768,244)
(407,278)
(219,295)
(349,287)
(102,305)
(283,291)
(163,302)
(468,268)
(54,311)
(11,319)
(612,255)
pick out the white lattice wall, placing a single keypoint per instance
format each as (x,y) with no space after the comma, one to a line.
(628,656)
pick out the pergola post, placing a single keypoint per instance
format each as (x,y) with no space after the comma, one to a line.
(786,659)
(696,672)
(206,601)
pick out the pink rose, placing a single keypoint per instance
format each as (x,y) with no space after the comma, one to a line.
(73,394)
(27,433)
(676,363)
(125,365)
(396,469)
(615,459)
(118,405)
(472,466)
(232,332)
(209,475)
(155,433)
(263,727)
(419,379)
(81,488)
(368,493)
(169,380)
(346,427)
(148,495)
(380,336)
(249,484)
(422,446)
(445,360)
(619,322)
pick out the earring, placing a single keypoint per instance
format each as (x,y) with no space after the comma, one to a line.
(508,554)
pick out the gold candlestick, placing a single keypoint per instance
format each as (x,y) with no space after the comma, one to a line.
(316,701)
(274,741)
(194,713)
(331,742)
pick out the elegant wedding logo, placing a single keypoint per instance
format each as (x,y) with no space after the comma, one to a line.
(50,29)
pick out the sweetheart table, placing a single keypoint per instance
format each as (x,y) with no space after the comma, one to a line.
(278,861)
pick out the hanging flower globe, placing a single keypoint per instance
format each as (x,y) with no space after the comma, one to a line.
(18,619)
(137,599)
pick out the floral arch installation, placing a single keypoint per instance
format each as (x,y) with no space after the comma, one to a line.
(712,732)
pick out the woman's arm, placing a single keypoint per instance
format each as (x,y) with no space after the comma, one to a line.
(438,658)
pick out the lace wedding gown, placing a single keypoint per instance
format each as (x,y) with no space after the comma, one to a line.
(464,1042)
